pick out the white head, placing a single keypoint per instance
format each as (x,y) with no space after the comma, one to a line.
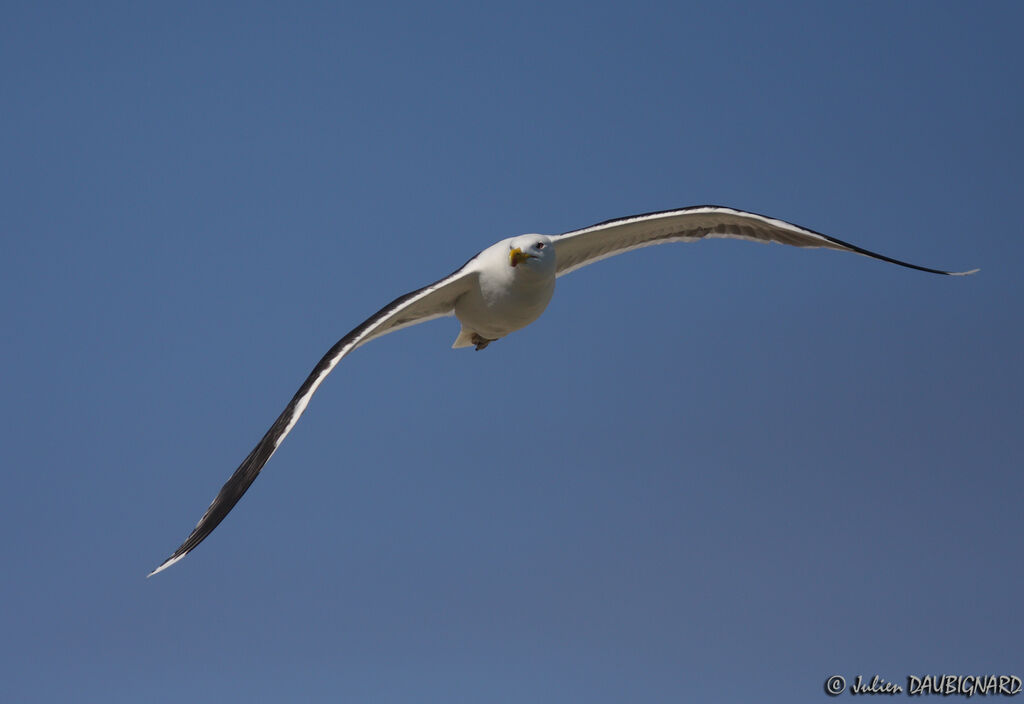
(533,253)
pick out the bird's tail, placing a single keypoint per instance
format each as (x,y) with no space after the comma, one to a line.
(465,339)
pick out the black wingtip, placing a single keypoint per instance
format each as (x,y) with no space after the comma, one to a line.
(882,257)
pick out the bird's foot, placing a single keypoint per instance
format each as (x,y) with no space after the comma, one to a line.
(479,341)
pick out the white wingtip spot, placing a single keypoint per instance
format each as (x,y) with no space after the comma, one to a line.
(164,566)
(964,273)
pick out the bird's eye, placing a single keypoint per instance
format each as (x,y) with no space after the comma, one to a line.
(540,245)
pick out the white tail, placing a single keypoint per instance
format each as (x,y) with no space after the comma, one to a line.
(465,339)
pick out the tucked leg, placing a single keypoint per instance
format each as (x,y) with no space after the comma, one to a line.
(479,341)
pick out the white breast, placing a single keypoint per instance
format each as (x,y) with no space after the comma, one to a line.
(506,298)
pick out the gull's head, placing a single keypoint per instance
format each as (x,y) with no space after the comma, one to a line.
(531,252)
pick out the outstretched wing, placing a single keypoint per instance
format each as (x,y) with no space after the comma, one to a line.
(433,301)
(606,239)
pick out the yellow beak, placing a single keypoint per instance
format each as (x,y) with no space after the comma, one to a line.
(515,256)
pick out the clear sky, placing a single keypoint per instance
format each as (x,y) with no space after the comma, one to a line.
(717,471)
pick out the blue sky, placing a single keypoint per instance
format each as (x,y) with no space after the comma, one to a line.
(717,471)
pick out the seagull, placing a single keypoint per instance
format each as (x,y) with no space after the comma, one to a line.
(505,288)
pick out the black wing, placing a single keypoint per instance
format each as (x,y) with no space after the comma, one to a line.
(433,301)
(606,239)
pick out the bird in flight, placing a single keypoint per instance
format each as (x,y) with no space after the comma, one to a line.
(504,288)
